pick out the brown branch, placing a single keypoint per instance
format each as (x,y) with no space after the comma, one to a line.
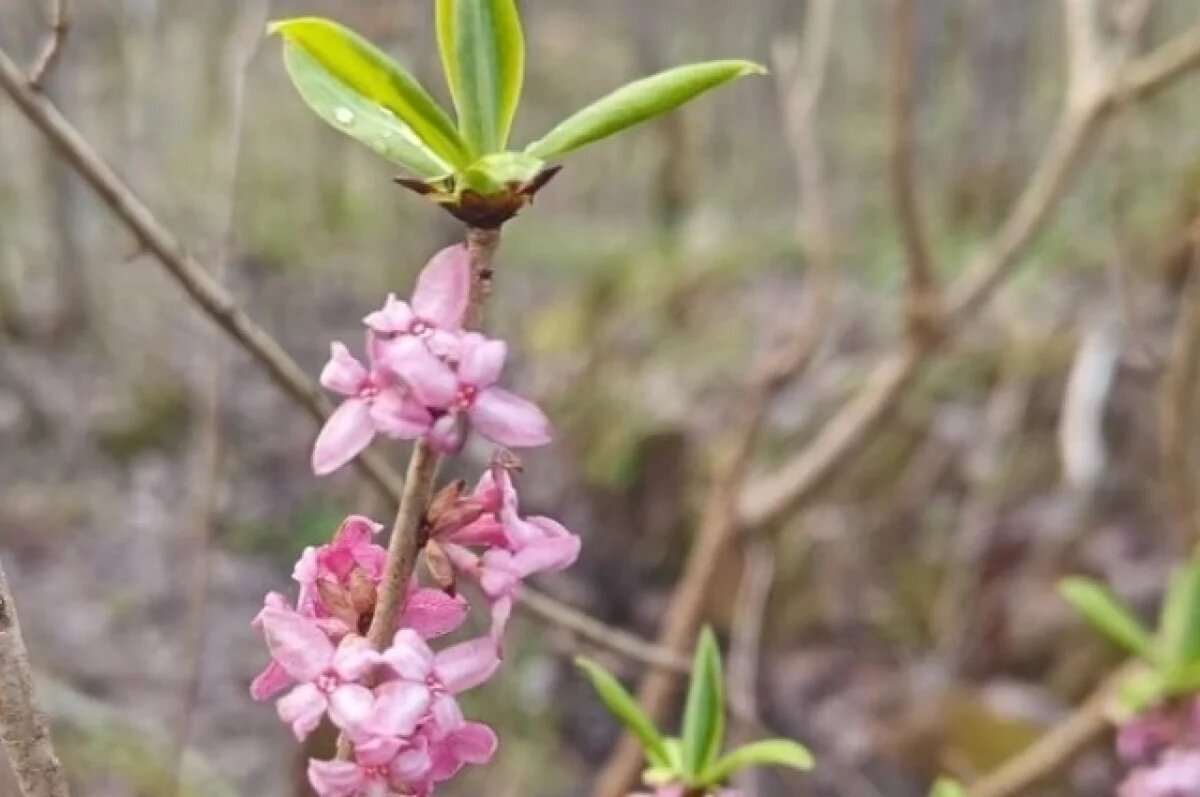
(745,647)
(1177,399)
(773,497)
(719,519)
(59,19)
(24,730)
(213,299)
(1057,747)
(921,289)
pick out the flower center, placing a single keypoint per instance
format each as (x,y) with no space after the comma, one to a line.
(327,682)
(466,396)
(420,328)
(376,772)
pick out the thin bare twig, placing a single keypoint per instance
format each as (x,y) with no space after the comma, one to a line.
(218,305)
(1057,747)
(771,498)
(719,520)
(59,19)
(24,730)
(745,645)
(921,290)
(242,49)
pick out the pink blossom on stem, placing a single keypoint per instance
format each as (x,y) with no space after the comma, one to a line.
(375,404)
(327,676)
(439,303)
(443,675)
(382,766)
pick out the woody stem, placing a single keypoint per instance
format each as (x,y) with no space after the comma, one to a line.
(405,544)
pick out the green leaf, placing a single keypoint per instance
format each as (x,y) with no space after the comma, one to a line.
(637,102)
(334,68)
(704,715)
(483,52)
(625,708)
(1107,613)
(945,787)
(1179,623)
(771,752)
(1143,690)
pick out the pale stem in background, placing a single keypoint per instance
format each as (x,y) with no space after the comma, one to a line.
(241,50)
(802,84)
(24,729)
(59,20)
(745,645)
(923,306)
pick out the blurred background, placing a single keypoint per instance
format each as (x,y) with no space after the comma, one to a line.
(910,622)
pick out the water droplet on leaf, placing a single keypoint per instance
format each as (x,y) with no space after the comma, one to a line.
(344,116)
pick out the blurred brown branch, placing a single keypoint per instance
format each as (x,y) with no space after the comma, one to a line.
(24,730)
(802,83)
(1178,409)
(923,303)
(771,498)
(216,302)
(59,20)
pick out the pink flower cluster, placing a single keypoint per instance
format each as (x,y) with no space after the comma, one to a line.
(426,377)
(397,707)
(1162,750)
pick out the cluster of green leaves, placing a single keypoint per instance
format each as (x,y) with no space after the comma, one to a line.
(1171,654)
(693,759)
(360,90)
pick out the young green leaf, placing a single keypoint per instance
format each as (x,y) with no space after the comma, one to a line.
(945,787)
(483,52)
(625,708)
(1179,625)
(704,715)
(771,752)
(341,69)
(637,102)
(1107,613)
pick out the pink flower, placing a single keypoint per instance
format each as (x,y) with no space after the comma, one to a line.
(468,743)
(326,675)
(382,766)
(502,417)
(438,304)
(375,404)
(449,672)
(1177,774)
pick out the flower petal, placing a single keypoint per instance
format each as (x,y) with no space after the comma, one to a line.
(355,530)
(411,765)
(474,743)
(354,658)
(298,644)
(343,373)
(444,288)
(409,656)
(466,665)
(350,705)
(433,613)
(547,555)
(509,420)
(270,682)
(446,436)
(395,317)
(399,416)
(377,751)
(334,778)
(399,707)
(482,360)
(347,432)
(302,708)
(431,380)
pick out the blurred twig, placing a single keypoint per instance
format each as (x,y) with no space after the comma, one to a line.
(923,303)
(771,498)
(24,731)
(745,646)
(1056,748)
(1178,408)
(214,300)
(242,48)
(59,19)
(802,82)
